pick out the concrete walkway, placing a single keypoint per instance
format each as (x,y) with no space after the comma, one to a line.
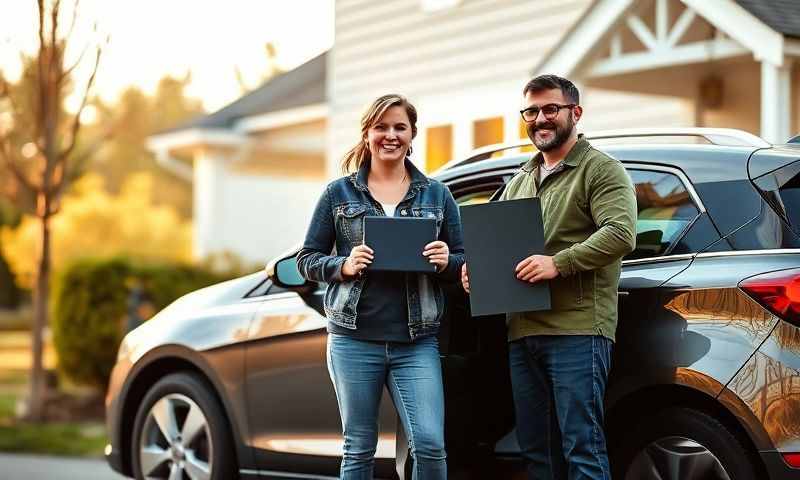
(30,467)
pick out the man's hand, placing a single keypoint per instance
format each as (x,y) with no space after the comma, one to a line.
(536,268)
(464,278)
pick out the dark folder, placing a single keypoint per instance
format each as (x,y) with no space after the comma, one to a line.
(398,242)
(497,236)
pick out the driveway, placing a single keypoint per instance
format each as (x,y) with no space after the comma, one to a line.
(29,467)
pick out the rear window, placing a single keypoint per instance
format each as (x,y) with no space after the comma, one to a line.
(665,210)
(781,189)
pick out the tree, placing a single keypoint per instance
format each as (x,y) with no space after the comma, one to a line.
(38,147)
(126,153)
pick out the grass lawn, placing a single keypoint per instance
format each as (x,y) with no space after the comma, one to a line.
(64,439)
(19,319)
(70,439)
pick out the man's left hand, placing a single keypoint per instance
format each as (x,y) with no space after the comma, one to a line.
(536,268)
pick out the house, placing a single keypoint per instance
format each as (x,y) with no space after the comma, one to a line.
(463,63)
(257,165)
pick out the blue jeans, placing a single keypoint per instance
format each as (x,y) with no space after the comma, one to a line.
(413,374)
(559,383)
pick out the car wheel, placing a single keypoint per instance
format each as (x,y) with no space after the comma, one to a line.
(181,432)
(682,443)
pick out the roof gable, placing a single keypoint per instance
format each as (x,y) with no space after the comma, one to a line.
(740,31)
(302,86)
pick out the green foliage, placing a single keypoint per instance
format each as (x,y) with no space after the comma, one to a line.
(135,116)
(63,439)
(90,304)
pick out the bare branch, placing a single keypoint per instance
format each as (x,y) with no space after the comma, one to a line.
(40,4)
(42,106)
(76,122)
(54,23)
(76,7)
(79,161)
(67,72)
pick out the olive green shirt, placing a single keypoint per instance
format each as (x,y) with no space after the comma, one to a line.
(589,215)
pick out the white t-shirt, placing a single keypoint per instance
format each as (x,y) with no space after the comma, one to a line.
(389,208)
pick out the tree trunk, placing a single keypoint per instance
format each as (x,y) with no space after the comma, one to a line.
(38,385)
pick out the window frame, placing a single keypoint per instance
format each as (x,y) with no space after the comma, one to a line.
(693,197)
(500,177)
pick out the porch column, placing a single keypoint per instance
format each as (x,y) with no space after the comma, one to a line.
(776,101)
(209,177)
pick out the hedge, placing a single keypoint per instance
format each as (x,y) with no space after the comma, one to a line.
(90,306)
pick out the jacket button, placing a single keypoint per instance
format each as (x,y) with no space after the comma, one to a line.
(403,212)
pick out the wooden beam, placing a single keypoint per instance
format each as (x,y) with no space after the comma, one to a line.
(641,31)
(680,55)
(662,20)
(681,26)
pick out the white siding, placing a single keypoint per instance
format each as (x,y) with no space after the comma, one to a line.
(458,65)
(262,217)
(255,217)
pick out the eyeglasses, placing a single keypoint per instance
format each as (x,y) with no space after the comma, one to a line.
(550,111)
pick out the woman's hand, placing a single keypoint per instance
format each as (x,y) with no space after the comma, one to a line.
(438,253)
(360,257)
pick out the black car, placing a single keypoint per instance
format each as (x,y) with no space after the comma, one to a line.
(705,382)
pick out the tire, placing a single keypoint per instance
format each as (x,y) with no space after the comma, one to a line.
(182,404)
(682,443)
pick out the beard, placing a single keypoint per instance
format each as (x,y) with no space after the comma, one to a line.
(560,136)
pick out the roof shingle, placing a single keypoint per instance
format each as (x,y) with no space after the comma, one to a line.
(304,85)
(782,16)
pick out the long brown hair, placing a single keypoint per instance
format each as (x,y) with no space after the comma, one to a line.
(360,152)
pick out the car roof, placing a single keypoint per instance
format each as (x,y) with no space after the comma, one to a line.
(700,162)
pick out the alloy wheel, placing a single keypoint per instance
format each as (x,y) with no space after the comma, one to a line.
(176,442)
(676,458)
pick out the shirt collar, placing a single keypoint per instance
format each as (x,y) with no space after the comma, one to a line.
(573,158)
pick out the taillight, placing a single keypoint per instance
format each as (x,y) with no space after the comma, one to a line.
(793,459)
(778,291)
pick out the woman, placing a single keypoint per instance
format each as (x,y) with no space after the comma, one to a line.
(382,325)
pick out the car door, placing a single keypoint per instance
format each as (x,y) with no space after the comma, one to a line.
(294,417)
(670,219)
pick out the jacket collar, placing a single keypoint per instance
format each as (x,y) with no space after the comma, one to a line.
(418,179)
(573,158)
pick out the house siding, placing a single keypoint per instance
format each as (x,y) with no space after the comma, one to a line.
(459,65)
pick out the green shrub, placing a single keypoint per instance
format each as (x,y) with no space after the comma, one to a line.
(90,308)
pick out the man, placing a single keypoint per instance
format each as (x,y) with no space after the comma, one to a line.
(559,359)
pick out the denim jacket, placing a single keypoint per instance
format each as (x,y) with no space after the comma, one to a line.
(338,221)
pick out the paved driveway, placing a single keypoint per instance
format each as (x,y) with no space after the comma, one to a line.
(30,467)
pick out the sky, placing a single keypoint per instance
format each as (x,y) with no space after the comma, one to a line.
(152,38)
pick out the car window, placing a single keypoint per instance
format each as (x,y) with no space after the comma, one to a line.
(266,287)
(664,209)
(781,189)
(664,206)
(478,190)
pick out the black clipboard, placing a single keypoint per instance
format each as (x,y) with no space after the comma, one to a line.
(398,243)
(497,236)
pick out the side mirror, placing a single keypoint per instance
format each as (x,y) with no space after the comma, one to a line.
(284,273)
